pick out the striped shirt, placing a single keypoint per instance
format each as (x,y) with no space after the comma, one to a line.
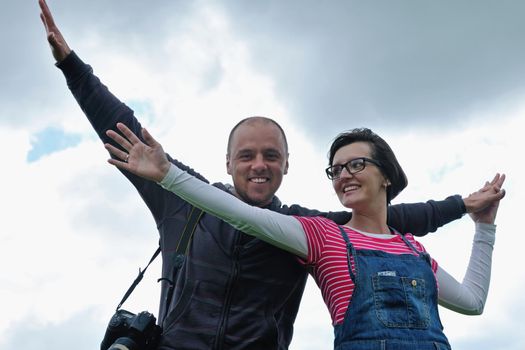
(327,256)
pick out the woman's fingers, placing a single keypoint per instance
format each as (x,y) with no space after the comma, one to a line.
(120,154)
(119,139)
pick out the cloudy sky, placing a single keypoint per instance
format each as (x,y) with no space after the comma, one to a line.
(442,81)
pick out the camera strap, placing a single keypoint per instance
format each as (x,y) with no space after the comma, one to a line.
(181,251)
(138,279)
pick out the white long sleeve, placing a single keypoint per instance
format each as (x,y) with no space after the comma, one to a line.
(287,233)
(469,296)
(279,230)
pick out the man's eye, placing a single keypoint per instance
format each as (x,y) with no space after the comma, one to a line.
(245,156)
(272,156)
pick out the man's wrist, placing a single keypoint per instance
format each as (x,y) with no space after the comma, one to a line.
(463,205)
(467,205)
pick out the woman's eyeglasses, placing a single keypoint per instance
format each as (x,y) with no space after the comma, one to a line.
(352,166)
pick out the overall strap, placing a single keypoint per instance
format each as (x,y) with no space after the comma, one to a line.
(350,251)
(423,255)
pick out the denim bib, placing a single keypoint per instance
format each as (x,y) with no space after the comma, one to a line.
(394,303)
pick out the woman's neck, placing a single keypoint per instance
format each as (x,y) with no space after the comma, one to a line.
(371,220)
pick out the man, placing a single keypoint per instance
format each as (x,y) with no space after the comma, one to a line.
(232,291)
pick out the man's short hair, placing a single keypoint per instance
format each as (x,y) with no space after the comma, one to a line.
(256,119)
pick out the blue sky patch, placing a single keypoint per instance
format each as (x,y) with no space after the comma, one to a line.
(143,110)
(50,140)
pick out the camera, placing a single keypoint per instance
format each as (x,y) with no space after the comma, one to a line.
(127,331)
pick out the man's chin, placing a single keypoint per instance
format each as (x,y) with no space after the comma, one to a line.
(258,201)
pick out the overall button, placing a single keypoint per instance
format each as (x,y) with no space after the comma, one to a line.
(414,283)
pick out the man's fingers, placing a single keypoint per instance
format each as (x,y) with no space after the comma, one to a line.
(495,179)
(496,196)
(46,24)
(500,180)
(46,11)
(500,194)
(46,16)
(43,19)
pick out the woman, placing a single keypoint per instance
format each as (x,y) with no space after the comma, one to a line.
(381,287)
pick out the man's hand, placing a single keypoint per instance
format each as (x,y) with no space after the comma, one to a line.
(483,204)
(147,160)
(58,44)
(489,193)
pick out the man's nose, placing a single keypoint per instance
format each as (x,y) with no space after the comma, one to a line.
(259,163)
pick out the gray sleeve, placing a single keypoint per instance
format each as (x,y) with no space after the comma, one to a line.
(469,296)
(282,231)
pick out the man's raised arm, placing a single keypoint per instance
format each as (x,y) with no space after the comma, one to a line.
(422,218)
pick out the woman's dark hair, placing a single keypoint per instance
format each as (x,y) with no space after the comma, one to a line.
(380,151)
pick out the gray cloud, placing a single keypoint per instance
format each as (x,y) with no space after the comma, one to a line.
(390,63)
(22,63)
(26,65)
(393,64)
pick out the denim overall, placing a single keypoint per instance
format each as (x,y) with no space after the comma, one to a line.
(394,304)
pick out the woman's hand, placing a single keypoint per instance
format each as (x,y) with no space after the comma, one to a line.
(146,159)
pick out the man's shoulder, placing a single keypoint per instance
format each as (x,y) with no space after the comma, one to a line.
(340,217)
(226,187)
(296,209)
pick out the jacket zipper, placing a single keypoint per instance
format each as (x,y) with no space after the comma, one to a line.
(219,340)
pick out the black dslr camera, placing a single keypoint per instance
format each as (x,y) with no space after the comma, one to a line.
(127,331)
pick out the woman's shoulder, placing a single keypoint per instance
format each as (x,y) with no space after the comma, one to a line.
(317,220)
(319,226)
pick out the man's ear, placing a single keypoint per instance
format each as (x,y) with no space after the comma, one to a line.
(228,170)
(286,166)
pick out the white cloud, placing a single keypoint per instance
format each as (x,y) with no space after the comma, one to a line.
(76,331)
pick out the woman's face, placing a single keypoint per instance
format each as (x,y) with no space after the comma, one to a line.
(363,189)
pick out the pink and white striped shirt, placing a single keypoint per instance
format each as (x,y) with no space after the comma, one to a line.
(327,256)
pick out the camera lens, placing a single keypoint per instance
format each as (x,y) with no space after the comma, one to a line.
(124,343)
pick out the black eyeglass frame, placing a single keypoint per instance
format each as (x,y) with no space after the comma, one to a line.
(346,165)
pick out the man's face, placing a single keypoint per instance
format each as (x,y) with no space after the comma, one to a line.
(257,161)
